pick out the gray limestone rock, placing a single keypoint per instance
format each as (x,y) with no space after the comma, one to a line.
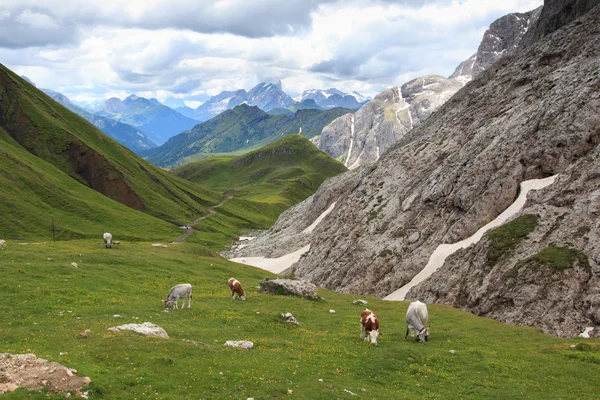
(361,138)
(289,287)
(501,39)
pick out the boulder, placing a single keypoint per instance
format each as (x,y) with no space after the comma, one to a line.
(289,287)
(290,318)
(147,328)
(239,344)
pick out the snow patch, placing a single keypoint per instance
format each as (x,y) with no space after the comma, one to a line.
(443,251)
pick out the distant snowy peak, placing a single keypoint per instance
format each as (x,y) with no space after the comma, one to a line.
(502,38)
(331,98)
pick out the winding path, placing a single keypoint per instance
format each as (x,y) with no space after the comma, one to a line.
(211,212)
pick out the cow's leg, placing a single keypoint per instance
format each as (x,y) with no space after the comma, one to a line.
(232,295)
(405,336)
(176,301)
(183,302)
(362,331)
(190,301)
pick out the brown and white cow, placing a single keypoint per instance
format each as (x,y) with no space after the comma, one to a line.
(369,326)
(236,288)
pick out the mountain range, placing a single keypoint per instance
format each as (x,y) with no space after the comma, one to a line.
(530,115)
(155,120)
(270,96)
(243,128)
(125,134)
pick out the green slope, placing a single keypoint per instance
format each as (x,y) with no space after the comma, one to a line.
(279,175)
(33,191)
(49,131)
(241,129)
(48,303)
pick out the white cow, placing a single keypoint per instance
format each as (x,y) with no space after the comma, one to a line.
(107,240)
(416,319)
(181,291)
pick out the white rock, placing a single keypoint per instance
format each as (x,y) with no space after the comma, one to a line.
(159,245)
(351,393)
(320,380)
(117,316)
(2,242)
(332,311)
(74,264)
(452,351)
(147,328)
(586,333)
(360,301)
(239,344)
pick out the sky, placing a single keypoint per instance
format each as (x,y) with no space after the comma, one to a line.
(194,49)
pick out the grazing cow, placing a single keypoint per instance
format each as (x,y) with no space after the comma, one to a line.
(107,240)
(369,325)
(181,291)
(416,319)
(236,288)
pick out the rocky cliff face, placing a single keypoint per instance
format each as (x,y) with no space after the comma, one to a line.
(531,115)
(503,36)
(360,138)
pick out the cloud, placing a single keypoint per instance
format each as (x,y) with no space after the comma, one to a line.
(195,49)
(27,27)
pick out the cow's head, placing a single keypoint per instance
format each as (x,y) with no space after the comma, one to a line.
(166,303)
(243,297)
(108,245)
(423,335)
(373,335)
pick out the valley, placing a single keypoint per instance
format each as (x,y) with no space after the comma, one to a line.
(475,192)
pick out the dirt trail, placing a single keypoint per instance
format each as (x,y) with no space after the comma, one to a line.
(211,212)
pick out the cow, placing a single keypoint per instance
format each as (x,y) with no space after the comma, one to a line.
(369,325)
(181,291)
(236,288)
(416,319)
(107,240)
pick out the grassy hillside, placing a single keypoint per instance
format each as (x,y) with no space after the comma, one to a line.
(46,129)
(52,302)
(280,174)
(33,191)
(242,128)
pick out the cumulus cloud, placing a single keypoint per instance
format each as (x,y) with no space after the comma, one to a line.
(26,27)
(195,49)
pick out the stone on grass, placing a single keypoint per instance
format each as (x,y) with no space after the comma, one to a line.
(147,328)
(360,302)
(290,318)
(2,242)
(290,287)
(239,344)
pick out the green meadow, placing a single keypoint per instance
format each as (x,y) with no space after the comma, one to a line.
(48,302)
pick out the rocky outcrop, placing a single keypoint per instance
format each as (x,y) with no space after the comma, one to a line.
(502,38)
(531,115)
(289,287)
(33,373)
(556,14)
(361,138)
